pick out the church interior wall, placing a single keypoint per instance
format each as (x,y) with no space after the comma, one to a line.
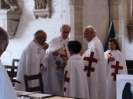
(29,25)
(96,13)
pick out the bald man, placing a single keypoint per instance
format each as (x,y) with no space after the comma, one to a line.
(95,67)
(32,59)
(7,91)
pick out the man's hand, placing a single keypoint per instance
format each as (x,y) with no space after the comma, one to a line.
(63,54)
(45,46)
(110,58)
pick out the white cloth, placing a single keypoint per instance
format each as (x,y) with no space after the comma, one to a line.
(78,84)
(57,43)
(55,74)
(7,91)
(117,55)
(31,59)
(97,80)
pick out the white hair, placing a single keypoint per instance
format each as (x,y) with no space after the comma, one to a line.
(90,27)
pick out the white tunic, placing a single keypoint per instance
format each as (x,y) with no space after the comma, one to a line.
(97,79)
(6,89)
(117,55)
(77,86)
(57,43)
(29,64)
(55,76)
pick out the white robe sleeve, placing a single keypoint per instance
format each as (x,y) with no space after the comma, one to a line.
(20,74)
(25,67)
(123,61)
(54,45)
(7,91)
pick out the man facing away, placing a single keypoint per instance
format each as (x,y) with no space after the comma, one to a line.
(75,79)
(95,67)
(7,91)
(32,59)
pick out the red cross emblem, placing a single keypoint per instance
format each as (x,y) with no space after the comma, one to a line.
(89,67)
(116,68)
(66,78)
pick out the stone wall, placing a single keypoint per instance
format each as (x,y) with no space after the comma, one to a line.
(89,12)
(96,13)
(29,25)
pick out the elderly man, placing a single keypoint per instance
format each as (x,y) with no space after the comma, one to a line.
(57,60)
(32,59)
(7,91)
(95,67)
(62,40)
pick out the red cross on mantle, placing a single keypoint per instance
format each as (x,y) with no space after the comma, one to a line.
(116,68)
(89,67)
(66,78)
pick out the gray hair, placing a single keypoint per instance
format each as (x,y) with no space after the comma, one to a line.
(3,39)
(91,28)
(65,26)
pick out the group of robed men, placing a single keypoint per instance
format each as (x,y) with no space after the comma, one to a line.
(68,72)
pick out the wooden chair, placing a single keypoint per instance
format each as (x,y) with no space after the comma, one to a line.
(28,78)
(15,62)
(12,72)
(12,69)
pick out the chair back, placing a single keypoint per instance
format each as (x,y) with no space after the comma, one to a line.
(12,72)
(38,88)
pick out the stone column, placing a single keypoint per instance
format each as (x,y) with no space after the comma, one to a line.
(77,19)
(119,17)
(114,13)
(130,7)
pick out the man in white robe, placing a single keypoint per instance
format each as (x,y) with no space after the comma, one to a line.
(114,56)
(56,61)
(95,66)
(32,60)
(62,40)
(75,79)
(7,91)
